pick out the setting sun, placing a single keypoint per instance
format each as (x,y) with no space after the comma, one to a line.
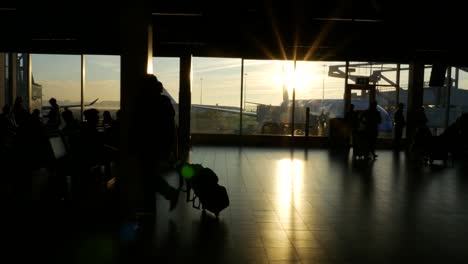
(301,78)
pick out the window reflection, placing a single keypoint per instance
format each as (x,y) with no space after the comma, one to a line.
(289,181)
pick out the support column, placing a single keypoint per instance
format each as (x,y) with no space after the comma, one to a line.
(12,73)
(415,95)
(2,80)
(134,26)
(185,95)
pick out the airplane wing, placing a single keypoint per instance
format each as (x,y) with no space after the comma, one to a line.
(225,109)
(47,107)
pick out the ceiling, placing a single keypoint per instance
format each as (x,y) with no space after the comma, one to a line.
(366,30)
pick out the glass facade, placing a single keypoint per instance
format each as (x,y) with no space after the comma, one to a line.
(224,88)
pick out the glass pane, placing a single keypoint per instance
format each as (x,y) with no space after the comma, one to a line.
(102,84)
(434,102)
(384,77)
(458,93)
(320,87)
(59,77)
(216,95)
(268,86)
(3,79)
(22,63)
(403,92)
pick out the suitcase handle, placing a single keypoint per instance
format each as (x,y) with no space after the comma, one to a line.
(193,201)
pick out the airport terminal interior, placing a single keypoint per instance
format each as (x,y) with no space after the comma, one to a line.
(261,93)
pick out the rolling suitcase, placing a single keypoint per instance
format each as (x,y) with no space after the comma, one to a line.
(210,195)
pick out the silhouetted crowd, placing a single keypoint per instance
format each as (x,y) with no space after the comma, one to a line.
(56,144)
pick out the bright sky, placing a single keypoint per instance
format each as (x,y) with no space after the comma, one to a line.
(215,80)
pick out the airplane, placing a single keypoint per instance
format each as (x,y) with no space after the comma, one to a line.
(268,116)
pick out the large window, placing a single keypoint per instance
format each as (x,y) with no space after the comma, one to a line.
(267,102)
(458,93)
(102,83)
(435,100)
(319,87)
(57,76)
(388,90)
(216,96)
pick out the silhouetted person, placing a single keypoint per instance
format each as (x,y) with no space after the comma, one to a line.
(422,135)
(323,119)
(71,123)
(399,124)
(7,129)
(20,113)
(70,130)
(107,118)
(33,141)
(53,117)
(420,118)
(372,120)
(156,132)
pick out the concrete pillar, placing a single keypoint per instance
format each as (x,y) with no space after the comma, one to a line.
(185,104)
(12,72)
(415,94)
(2,80)
(135,22)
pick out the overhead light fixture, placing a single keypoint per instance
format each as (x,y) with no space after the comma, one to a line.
(184,43)
(309,46)
(431,50)
(347,19)
(54,39)
(178,14)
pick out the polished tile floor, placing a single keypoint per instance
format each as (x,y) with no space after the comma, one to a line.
(297,206)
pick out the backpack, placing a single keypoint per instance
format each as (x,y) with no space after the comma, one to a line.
(210,195)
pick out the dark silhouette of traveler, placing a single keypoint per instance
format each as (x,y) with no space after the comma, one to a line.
(20,113)
(399,123)
(53,117)
(70,130)
(421,141)
(107,118)
(7,129)
(323,119)
(156,135)
(71,123)
(372,119)
(92,140)
(420,118)
(33,142)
